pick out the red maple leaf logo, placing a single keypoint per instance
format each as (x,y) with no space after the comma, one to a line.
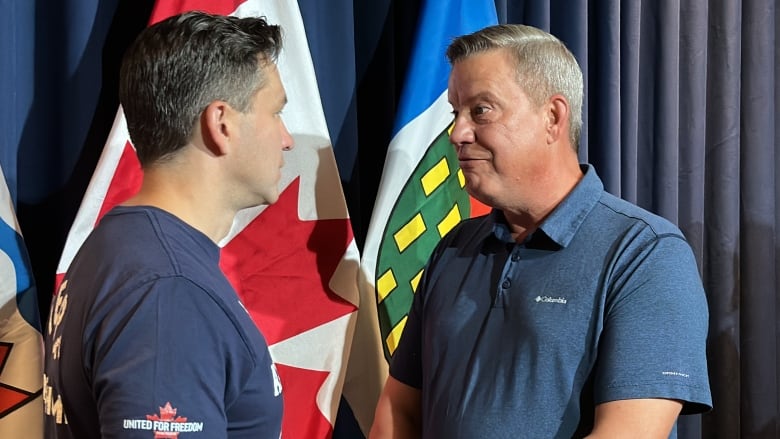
(11,398)
(167,414)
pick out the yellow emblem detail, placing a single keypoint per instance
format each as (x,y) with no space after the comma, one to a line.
(409,232)
(451,220)
(385,284)
(435,176)
(395,335)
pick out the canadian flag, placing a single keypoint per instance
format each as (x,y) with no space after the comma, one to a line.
(294,263)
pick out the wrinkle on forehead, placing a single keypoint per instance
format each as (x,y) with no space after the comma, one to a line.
(481,76)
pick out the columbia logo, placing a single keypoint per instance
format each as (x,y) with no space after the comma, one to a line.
(677,374)
(548,299)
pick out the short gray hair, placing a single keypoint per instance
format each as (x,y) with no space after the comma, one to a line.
(544,65)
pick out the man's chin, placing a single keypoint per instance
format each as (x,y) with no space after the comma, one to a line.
(271,198)
(263,200)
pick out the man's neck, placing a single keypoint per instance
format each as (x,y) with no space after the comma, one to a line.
(525,220)
(193,201)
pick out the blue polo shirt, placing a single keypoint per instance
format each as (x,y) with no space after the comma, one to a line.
(603,302)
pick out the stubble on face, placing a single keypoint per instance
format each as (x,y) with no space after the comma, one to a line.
(497,131)
(264,137)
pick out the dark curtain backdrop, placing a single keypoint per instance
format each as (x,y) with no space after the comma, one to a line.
(681,109)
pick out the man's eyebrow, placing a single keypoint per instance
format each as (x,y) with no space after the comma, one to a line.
(481,96)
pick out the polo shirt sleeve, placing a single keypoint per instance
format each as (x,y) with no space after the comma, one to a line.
(165,356)
(653,343)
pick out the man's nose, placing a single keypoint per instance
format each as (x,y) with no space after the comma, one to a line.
(461,132)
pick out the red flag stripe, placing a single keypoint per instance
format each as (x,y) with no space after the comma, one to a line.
(165,9)
(125,183)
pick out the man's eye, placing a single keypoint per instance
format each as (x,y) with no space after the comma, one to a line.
(480,110)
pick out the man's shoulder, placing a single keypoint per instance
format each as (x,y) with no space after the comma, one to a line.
(123,239)
(627,214)
(132,246)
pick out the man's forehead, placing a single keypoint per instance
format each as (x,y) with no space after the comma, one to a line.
(273,86)
(474,87)
(270,73)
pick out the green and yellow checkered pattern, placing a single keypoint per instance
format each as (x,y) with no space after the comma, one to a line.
(430,204)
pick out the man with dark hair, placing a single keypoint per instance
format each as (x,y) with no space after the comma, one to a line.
(146,337)
(566,312)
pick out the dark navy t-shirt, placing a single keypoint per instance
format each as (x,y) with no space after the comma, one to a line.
(147,337)
(603,302)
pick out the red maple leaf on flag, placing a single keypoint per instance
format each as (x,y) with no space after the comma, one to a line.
(280,266)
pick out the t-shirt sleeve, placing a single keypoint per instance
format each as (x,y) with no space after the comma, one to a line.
(160,362)
(654,340)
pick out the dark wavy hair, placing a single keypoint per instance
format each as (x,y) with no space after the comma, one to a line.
(178,66)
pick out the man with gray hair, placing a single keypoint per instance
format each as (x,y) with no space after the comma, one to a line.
(565,312)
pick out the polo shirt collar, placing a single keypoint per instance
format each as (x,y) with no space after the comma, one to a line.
(564,221)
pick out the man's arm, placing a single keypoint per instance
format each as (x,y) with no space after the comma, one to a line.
(398,412)
(636,418)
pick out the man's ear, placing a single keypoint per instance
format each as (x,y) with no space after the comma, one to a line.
(557,118)
(217,127)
